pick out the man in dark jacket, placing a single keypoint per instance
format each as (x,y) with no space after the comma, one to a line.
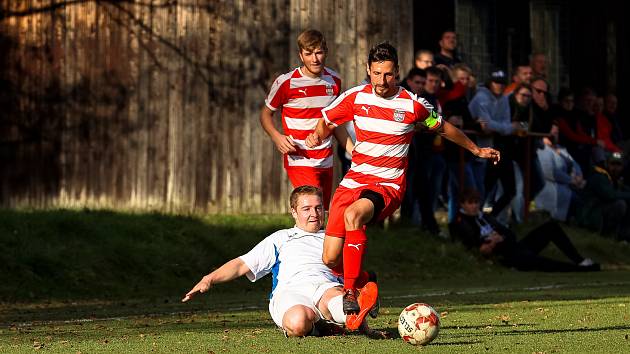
(477,230)
(606,199)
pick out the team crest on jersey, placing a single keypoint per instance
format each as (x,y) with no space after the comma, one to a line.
(329,90)
(399,115)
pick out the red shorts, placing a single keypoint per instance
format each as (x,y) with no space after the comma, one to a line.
(344,197)
(318,177)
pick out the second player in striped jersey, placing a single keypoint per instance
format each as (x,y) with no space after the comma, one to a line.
(301,94)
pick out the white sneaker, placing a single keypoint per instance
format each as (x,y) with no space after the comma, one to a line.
(587,262)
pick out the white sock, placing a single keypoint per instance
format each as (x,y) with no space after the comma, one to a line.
(335,306)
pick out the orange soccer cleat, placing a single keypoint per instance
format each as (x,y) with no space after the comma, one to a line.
(368,296)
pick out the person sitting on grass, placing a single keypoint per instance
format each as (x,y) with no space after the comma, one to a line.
(481,231)
(306,297)
(606,206)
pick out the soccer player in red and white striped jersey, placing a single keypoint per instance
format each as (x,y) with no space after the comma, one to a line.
(385,117)
(301,94)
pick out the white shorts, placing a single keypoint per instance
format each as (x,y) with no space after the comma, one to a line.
(297,294)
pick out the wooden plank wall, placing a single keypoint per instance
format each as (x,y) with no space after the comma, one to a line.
(153,105)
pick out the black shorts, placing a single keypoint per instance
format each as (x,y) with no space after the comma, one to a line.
(377,200)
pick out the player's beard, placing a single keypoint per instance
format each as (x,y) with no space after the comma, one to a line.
(314,69)
(384,91)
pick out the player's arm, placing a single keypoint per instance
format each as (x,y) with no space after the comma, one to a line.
(284,143)
(322,131)
(229,271)
(452,133)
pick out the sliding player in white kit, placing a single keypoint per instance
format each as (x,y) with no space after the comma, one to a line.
(304,289)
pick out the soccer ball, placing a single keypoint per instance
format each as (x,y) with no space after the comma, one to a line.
(418,324)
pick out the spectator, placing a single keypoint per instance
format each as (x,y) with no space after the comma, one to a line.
(448,50)
(610,111)
(535,118)
(429,160)
(563,177)
(415,80)
(424,59)
(520,105)
(521,111)
(606,198)
(585,112)
(604,127)
(522,75)
(456,112)
(458,83)
(477,230)
(541,120)
(572,135)
(538,63)
(492,111)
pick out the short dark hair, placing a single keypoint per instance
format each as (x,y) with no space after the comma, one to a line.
(539,78)
(448,30)
(306,189)
(564,93)
(469,194)
(435,71)
(383,52)
(416,72)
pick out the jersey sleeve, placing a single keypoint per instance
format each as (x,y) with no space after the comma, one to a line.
(427,115)
(341,110)
(278,94)
(263,257)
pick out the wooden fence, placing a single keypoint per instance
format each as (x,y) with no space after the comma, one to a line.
(154,105)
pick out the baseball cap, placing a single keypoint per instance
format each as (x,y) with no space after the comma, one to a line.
(498,76)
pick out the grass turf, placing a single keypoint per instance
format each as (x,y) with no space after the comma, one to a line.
(110,282)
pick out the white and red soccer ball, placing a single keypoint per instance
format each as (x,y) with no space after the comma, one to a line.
(418,324)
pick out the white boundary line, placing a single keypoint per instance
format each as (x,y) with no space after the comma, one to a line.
(491,290)
(418,295)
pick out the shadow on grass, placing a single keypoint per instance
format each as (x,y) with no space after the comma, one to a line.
(75,255)
(569,330)
(66,264)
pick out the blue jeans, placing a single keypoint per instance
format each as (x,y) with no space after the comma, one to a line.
(478,169)
(427,184)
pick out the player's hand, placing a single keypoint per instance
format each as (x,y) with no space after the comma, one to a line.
(284,143)
(313,140)
(489,153)
(204,285)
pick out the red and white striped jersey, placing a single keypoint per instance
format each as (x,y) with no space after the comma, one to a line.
(301,99)
(384,129)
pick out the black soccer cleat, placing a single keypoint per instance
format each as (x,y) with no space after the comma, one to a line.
(377,307)
(324,328)
(350,303)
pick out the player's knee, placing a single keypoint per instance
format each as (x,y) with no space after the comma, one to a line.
(352,218)
(297,325)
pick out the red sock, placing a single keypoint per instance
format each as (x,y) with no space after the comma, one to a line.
(362,279)
(353,251)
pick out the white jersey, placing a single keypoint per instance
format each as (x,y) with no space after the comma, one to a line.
(293,256)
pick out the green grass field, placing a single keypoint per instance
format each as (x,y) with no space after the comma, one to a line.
(87,281)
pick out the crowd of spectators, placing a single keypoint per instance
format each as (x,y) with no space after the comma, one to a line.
(564,154)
